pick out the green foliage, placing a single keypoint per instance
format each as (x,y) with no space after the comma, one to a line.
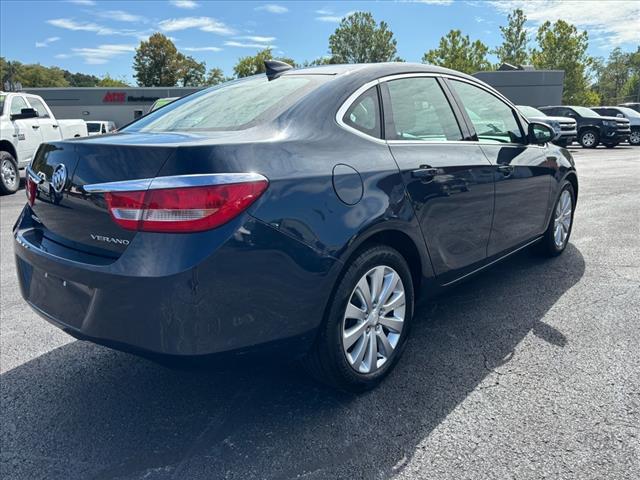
(562,47)
(157,62)
(191,73)
(458,52)
(216,76)
(80,79)
(618,78)
(108,81)
(253,65)
(358,39)
(513,49)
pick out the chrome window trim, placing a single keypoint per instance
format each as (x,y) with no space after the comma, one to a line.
(346,105)
(175,181)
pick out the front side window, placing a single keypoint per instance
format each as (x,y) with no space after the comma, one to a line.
(231,106)
(17,104)
(39,107)
(493,120)
(420,111)
(364,113)
(93,127)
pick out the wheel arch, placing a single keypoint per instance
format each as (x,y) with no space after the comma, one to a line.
(572,178)
(7,146)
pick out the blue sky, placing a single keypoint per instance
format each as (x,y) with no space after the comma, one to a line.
(99,36)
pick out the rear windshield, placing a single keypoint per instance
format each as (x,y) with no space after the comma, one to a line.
(231,106)
(93,127)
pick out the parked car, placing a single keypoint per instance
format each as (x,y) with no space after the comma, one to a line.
(25,122)
(161,102)
(290,210)
(624,112)
(632,105)
(593,129)
(565,127)
(100,127)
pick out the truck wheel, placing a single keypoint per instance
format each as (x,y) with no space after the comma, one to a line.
(9,174)
(589,139)
(634,138)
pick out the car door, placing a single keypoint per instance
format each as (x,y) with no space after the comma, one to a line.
(449,180)
(523,172)
(49,128)
(27,130)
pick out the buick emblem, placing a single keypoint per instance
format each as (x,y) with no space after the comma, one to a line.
(59,178)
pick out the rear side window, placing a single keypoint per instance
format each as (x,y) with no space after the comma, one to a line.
(93,127)
(231,106)
(364,114)
(17,104)
(421,112)
(39,107)
(494,121)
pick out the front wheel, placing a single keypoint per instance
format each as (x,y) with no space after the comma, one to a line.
(556,237)
(589,139)
(9,174)
(634,138)
(367,322)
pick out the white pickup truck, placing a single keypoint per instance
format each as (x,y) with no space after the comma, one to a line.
(26,121)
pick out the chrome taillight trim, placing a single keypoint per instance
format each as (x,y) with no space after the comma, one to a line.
(176,181)
(35,178)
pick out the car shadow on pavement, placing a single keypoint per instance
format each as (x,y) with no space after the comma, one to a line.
(83,411)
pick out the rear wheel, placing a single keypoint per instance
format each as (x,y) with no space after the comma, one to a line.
(9,174)
(634,138)
(367,322)
(556,237)
(589,139)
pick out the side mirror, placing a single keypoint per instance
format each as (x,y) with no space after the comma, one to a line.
(540,133)
(25,113)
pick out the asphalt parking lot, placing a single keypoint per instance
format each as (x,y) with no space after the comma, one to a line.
(530,370)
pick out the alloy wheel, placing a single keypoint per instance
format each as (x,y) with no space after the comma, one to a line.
(562,219)
(9,173)
(588,139)
(374,319)
(634,139)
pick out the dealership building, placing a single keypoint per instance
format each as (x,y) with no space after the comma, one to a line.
(120,105)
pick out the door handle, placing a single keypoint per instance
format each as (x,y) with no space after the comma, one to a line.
(425,173)
(54,125)
(35,127)
(506,169)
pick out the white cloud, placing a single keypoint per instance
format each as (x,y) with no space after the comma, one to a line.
(432,2)
(46,42)
(86,3)
(201,49)
(324,12)
(206,24)
(332,18)
(257,38)
(232,43)
(611,23)
(100,54)
(69,24)
(188,4)
(121,16)
(273,8)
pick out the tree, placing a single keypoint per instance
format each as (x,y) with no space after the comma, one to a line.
(612,76)
(190,73)
(216,76)
(156,62)
(358,39)
(514,40)
(80,79)
(253,65)
(562,47)
(36,75)
(108,81)
(459,53)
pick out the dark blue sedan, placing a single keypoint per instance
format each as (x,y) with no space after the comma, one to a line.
(304,210)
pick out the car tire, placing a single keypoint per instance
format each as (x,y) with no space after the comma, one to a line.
(589,138)
(634,138)
(346,361)
(9,174)
(557,235)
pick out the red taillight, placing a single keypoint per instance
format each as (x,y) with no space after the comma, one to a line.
(184,209)
(31,190)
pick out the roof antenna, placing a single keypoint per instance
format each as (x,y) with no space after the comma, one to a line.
(275,68)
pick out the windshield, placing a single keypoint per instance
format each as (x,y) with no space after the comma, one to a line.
(530,111)
(93,127)
(585,112)
(629,112)
(231,106)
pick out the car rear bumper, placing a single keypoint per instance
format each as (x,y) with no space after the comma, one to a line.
(256,286)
